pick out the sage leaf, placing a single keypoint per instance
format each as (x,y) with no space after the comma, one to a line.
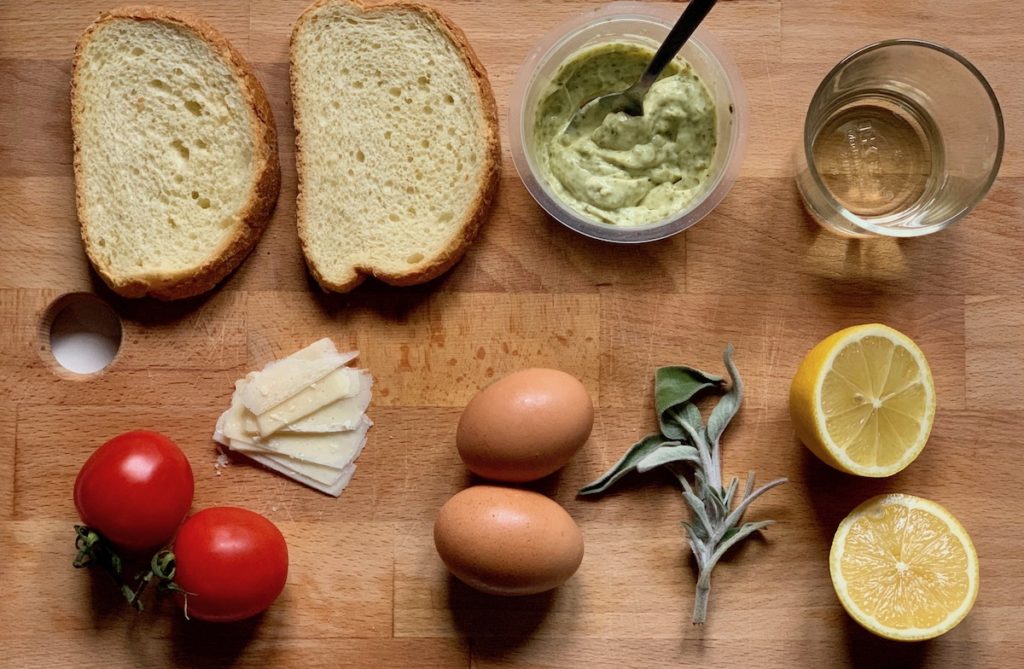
(695,435)
(728,404)
(717,508)
(751,482)
(737,514)
(672,423)
(674,388)
(742,533)
(691,414)
(667,454)
(696,544)
(730,493)
(626,464)
(690,450)
(703,526)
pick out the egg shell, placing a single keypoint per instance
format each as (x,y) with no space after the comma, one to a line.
(525,425)
(506,541)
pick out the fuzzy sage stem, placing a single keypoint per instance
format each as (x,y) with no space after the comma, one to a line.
(716,515)
(700,600)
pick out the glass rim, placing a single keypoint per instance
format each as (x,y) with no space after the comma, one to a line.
(970,67)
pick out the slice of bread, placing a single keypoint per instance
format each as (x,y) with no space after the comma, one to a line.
(176,169)
(396,138)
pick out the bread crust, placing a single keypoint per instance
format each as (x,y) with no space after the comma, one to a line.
(255,213)
(488,181)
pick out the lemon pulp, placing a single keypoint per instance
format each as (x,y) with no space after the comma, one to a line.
(863,400)
(874,400)
(904,567)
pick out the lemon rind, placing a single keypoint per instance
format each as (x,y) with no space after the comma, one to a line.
(857,333)
(870,622)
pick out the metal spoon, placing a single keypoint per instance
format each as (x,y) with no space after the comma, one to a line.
(631,100)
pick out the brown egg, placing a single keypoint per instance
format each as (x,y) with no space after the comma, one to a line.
(525,425)
(506,541)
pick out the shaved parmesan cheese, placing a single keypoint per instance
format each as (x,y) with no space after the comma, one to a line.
(317,429)
(338,384)
(333,449)
(334,488)
(231,424)
(315,351)
(222,461)
(343,414)
(324,479)
(286,378)
(321,473)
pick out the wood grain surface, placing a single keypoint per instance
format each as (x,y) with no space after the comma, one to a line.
(366,588)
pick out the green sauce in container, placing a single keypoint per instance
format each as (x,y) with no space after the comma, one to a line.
(620,169)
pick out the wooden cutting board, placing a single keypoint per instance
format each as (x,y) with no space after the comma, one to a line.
(365,587)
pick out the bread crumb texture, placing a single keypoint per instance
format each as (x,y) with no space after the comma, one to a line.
(166,148)
(394,139)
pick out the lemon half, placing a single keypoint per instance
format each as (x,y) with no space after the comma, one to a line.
(863,400)
(904,567)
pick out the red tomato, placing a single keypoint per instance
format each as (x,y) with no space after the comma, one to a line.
(232,562)
(135,490)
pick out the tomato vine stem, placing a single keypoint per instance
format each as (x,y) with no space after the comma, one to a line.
(95,551)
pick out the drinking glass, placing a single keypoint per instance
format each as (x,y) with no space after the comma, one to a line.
(902,139)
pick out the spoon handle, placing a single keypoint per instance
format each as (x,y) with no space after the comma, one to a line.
(694,13)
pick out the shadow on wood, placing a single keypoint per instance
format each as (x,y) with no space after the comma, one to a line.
(547,486)
(107,602)
(866,650)
(495,626)
(150,311)
(201,644)
(835,494)
(395,304)
(606,261)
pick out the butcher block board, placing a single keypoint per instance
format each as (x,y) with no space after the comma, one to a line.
(365,587)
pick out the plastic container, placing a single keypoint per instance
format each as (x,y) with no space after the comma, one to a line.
(642,24)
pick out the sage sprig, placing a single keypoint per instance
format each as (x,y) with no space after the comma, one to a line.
(716,513)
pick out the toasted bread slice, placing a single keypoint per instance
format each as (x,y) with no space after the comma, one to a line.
(397,142)
(176,169)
